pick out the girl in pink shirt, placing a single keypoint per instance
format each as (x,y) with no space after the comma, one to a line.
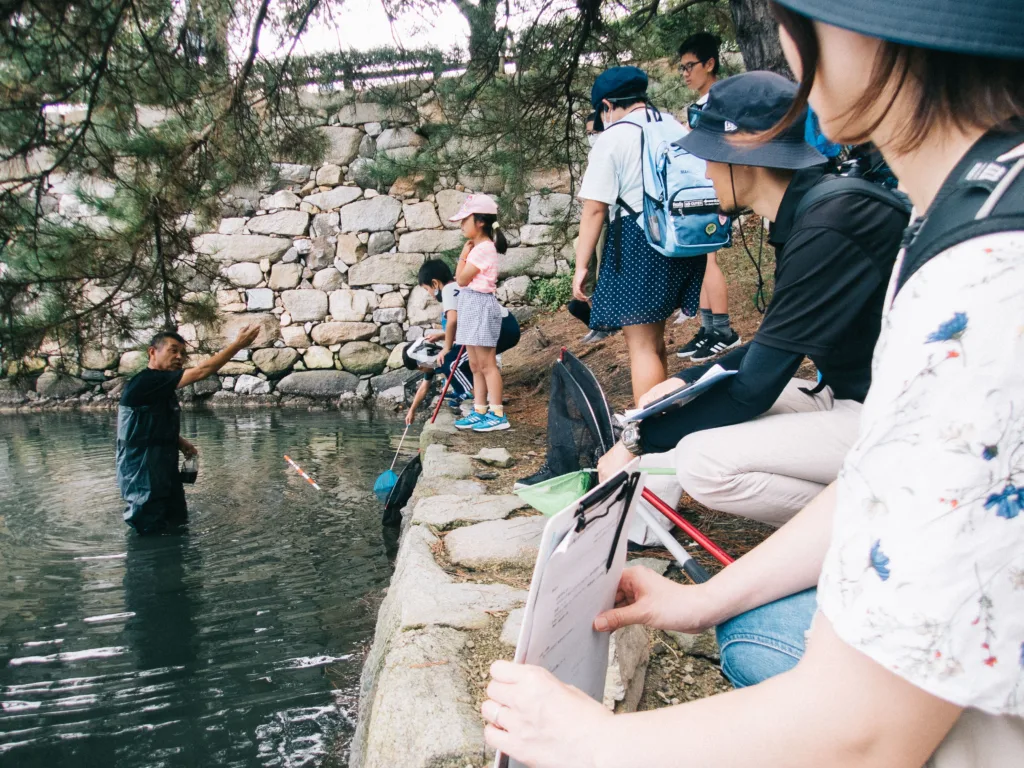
(479,311)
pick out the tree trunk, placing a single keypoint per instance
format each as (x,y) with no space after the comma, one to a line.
(758,36)
(484,38)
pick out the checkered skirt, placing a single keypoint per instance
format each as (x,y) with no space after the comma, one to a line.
(479,319)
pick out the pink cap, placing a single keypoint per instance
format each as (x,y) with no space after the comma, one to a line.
(476,204)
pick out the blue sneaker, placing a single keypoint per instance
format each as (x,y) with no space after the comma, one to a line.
(470,421)
(491,423)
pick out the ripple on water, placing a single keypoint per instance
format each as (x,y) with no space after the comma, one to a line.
(235,644)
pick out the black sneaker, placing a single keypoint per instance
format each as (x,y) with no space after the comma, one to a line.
(691,347)
(714,344)
(542,474)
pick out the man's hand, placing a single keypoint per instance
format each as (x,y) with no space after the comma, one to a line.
(613,461)
(659,391)
(577,284)
(187,448)
(247,336)
(540,721)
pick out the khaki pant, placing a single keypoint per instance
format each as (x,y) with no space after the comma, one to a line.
(769,468)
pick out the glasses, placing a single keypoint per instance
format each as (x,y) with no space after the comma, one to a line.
(688,67)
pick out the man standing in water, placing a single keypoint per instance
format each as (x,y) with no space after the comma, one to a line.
(148,431)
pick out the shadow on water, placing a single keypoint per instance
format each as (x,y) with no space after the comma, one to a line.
(234,643)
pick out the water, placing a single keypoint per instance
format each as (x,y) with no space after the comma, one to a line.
(235,644)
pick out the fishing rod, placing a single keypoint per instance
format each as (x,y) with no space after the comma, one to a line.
(301,472)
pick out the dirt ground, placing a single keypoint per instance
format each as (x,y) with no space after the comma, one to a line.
(674,675)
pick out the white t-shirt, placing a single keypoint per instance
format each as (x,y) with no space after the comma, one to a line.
(613,167)
(925,571)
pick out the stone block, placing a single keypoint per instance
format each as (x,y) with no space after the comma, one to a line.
(275,361)
(294,336)
(391,334)
(398,138)
(393,300)
(318,357)
(448,203)
(336,198)
(328,175)
(350,306)
(363,357)
(629,651)
(269,329)
(420,216)
(251,385)
(99,358)
(384,316)
(387,381)
(321,253)
(395,358)
(495,457)
(342,144)
(359,113)
(297,174)
(244,274)
(389,268)
(499,542)
(285,276)
(514,290)
(282,199)
(59,385)
(318,383)
(329,279)
(535,262)
(438,461)
(512,626)
(376,215)
(132,362)
(442,511)
(339,333)
(324,225)
(233,368)
(304,306)
(349,250)
(284,223)
(422,307)
(231,226)
(545,209)
(361,172)
(235,248)
(430,241)
(537,234)
(380,242)
(259,299)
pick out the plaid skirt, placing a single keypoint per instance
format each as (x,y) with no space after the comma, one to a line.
(479,319)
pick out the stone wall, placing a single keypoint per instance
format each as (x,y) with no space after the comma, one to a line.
(324,263)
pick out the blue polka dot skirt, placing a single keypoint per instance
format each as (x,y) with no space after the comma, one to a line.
(640,286)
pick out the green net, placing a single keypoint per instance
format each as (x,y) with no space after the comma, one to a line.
(554,495)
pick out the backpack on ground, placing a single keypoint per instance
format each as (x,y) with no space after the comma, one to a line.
(680,216)
(982,196)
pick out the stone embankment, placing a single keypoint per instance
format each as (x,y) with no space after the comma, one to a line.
(454,605)
(322,259)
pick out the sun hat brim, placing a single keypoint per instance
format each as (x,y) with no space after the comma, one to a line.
(982,27)
(716,148)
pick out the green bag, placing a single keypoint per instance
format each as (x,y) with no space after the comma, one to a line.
(552,496)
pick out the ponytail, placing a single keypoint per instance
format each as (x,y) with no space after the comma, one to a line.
(490,224)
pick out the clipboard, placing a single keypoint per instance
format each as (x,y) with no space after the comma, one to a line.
(681,397)
(581,558)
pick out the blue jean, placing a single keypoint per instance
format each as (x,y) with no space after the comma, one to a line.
(766,641)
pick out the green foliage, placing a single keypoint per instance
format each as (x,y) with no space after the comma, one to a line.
(550,292)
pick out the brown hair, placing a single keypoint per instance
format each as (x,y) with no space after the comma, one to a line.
(971,91)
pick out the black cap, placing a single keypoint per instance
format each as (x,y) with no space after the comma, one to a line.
(617,83)
(981,27)
(747,104)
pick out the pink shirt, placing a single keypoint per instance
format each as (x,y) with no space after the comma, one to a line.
(484,257)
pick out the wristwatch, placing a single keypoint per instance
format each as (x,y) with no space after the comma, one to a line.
(631,437)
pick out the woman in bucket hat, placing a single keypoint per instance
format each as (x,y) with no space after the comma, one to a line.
(915,636)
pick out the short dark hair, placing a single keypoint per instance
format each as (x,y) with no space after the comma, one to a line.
(973,91)
(409,362)
(159,338)
(434,269)
(704,46)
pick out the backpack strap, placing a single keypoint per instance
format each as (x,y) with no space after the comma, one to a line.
(983,195)
(833,186)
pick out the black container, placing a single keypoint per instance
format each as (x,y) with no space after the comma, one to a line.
(189,470)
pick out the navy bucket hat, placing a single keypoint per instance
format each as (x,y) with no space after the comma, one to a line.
(617,83)
(981,27)
(750,103)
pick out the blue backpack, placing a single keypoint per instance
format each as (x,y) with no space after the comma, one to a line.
(680,216)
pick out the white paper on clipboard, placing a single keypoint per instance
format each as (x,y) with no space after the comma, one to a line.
(576,576)
(682,396)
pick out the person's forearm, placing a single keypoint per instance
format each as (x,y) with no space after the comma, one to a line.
(449,329)
(212,365)
(591,222)
(421,393)
(787,562)
(837,708)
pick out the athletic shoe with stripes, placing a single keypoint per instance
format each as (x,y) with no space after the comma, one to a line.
(691,346)
(491,422)
(715,343)
(470,421)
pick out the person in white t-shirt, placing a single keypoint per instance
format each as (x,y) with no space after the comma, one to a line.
(883,626)
(637,288)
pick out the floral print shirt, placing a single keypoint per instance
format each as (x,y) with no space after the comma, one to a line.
(925,573)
